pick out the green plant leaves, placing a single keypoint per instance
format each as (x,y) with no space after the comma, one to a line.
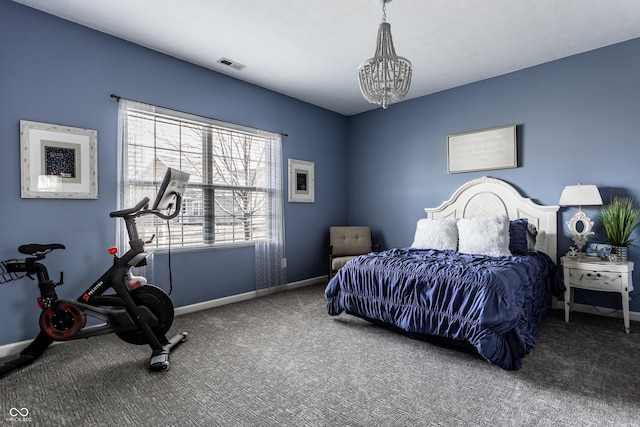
(619,218)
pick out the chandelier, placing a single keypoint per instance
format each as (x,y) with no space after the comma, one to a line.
(385,78)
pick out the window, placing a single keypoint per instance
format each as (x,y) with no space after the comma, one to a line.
(231,189)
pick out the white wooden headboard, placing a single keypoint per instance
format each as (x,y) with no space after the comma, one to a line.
(490,196)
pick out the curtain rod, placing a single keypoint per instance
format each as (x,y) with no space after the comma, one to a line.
(118,98)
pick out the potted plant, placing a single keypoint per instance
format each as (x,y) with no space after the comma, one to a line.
(619,218)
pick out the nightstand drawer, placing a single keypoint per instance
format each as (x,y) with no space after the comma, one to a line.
(597,275)
(598,280)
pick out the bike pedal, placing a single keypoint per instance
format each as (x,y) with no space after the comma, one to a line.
(159,363)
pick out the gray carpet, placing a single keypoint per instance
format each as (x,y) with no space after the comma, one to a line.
(281,361)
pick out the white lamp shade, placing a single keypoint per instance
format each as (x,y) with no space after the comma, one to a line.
(580,195)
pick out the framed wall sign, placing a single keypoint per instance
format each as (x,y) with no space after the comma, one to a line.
(482,150)
(301,181)
(58,162)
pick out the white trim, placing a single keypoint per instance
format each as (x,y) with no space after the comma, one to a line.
(17,347)
(598,311)
(13,348)
(247,296)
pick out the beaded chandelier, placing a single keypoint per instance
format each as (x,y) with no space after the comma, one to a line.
(385,78)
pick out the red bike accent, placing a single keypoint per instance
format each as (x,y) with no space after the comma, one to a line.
(62,323)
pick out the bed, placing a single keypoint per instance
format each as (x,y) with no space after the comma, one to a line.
(479,274)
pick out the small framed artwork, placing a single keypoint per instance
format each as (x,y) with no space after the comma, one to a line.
(482,150)
(598,250)
(58,162)
(301,181)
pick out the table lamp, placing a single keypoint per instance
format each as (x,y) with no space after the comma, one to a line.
(580,224)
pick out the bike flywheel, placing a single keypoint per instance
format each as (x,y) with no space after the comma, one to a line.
(160,306)
(62,321)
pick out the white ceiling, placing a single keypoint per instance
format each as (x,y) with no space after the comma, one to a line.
(311,49)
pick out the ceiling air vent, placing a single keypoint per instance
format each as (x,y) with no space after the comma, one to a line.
(230,63)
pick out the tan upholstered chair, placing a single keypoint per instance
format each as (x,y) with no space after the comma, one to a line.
(346,243)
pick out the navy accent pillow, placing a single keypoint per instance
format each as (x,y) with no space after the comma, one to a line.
(518,236)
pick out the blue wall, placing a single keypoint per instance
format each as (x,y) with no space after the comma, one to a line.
(578,121)
(54,71)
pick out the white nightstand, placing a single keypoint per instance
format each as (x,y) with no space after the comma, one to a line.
(597,275)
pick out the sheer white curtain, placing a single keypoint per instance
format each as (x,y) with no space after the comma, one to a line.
(270,251)
(122,238)
(124,158)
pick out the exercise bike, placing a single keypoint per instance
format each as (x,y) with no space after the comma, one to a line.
(138,313)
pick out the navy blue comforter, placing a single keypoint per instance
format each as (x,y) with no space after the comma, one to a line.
(493,303)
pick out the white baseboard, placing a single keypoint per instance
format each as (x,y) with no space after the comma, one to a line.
(13,348)
(600,311)
(17,347)
(247,296)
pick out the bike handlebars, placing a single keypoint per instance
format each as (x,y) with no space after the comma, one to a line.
(142,208)
(143,204)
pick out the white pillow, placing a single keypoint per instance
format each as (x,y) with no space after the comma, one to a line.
(484,236)
(541,241)
(439,233)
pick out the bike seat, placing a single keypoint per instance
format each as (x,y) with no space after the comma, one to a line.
(35,248)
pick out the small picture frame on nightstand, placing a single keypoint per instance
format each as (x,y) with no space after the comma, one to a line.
(598,250)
